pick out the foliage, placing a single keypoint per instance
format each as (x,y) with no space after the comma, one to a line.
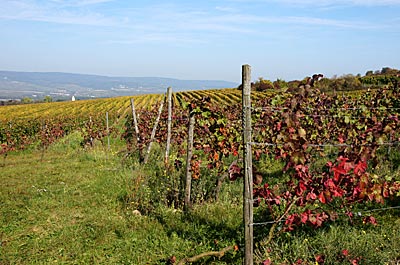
(381,80)
(263,85)
(311,195)
(280,84)
(26,100)
(48,99)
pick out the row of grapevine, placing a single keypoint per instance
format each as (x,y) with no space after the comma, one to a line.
(119,105)
(290,124)
(331,148)
(212,118)
(22,125)
(319,184)
(19,134)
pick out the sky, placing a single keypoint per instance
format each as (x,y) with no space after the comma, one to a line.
(201,39)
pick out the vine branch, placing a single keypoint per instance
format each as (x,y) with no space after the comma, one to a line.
(218,254)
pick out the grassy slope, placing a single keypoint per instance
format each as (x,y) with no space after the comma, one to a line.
(68,209)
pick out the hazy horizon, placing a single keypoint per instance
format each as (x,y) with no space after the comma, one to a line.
(200,40)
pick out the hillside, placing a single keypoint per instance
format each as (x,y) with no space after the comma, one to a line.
(117,105)
(36,85)
(76,191)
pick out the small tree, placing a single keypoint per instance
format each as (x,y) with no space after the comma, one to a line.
(48,99)
(280,84)
(26,100)
(263,85)
(325,84)
(389,71)
(368,73)
(351,82)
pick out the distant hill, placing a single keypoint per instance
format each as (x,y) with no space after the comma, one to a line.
(36,85)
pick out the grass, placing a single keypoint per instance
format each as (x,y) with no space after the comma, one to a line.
(68,209)
(369,244)
(80,206)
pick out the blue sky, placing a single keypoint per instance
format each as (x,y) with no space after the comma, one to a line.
(207,39)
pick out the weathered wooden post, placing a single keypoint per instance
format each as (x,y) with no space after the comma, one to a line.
(169,98)
(390,144)
(188,179)
(108,132)
(248,173)
(153,133)
(135,124)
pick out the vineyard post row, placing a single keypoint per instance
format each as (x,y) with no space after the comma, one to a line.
(144,158)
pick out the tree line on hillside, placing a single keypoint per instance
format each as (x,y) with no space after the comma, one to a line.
(386,77)
(25,100)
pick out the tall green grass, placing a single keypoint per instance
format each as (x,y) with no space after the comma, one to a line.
(74,208)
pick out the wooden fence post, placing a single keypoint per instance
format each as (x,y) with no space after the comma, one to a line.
(153,133)
(188,180)
(108,132)
(169,98)
(135,123)
(90,124)
(248,167)
(390,143)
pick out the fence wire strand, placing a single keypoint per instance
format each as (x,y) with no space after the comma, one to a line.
(357,213)
(330,109)
(328,145)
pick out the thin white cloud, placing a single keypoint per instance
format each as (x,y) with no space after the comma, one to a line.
(173,23)
(332,3)
(80,2)
(53,13)
(237,20)
(226,9)
(164,38)
(331,23)
(92,2)
(372,2)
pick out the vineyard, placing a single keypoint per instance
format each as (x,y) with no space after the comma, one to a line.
(317,160)
(117,106)
(24,125)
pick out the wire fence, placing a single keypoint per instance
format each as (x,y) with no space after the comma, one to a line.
(329,145)
(362,113)
(265,144)
(328,109)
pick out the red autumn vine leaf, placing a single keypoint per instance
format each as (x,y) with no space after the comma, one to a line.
(370,220)
(322,198)
(320,259)
(360,168)
(267,262)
